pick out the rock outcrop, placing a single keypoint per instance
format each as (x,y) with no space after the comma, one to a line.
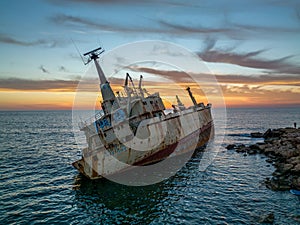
(282,147)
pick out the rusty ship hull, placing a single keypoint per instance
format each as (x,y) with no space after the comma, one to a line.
(99,163)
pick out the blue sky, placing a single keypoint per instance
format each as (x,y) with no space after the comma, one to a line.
(234,37)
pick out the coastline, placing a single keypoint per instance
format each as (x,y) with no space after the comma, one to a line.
(282,147)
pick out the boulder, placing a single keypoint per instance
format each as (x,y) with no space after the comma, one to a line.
(268,218)
(278,184)
(230,147)
(256,135)
(251,151)
(296,183)
(294,160)
(255,147)
(296,169)
(296,218)
(269,160)
(286,168)
(267,134)
(241,148)
(272,133)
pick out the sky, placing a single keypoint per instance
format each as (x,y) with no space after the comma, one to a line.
(251,46)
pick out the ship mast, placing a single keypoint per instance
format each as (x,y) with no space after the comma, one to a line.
(140,87)
(108,95)
(191,96)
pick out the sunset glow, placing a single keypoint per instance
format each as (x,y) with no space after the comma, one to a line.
(251,47)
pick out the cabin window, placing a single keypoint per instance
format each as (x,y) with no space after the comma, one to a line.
(144,103)
(151,102)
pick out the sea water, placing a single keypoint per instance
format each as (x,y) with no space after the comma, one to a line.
(39,185)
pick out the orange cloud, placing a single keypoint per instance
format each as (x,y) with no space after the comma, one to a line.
(268,90)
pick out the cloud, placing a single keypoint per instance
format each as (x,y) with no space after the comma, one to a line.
(4,38)
(162,25)
(250,60)
(62,69)
(87,84)
(298,14)
(247,95)
(62,19)
(42,68)
(265,29)
(264,79)
(124,2)
(178,28)
(62,2)
(37,85)
(158,27)
(289,80)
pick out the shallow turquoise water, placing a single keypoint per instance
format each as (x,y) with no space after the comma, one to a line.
(39,185)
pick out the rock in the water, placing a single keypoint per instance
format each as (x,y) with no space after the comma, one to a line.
(296,183)
(269,218)
(255,147)
(241,148)
(269,160)
(296,169)
(230,147)
(296,218)
(294,160)
(287,167)
(251,151)
(278,183)
(267,134)
(282,147)
(256,135)
(271,134)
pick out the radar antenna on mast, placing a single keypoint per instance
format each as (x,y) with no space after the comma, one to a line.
(93,55)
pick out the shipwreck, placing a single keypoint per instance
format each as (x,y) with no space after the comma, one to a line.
(134,128)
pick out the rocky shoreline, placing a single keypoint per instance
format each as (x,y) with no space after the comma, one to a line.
(282,147)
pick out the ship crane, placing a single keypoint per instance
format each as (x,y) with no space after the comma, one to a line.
(108,95)
(179,103)
(140,87)
(94,55)
(191,96)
